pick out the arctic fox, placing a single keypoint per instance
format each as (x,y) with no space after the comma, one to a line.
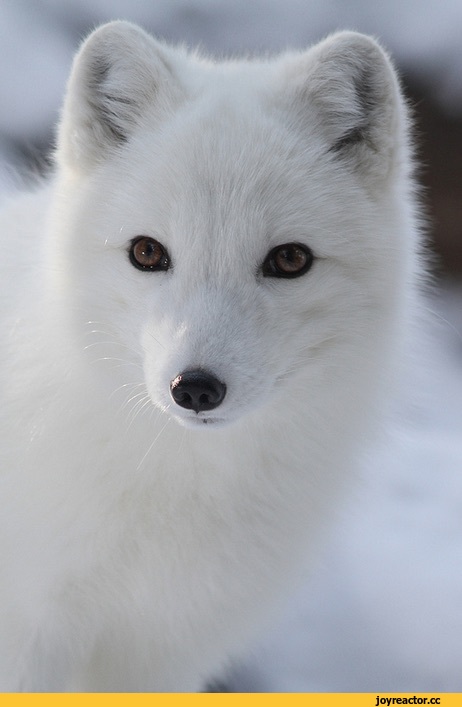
(199,312)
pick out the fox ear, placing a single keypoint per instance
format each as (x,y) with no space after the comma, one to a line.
(119,72)
(347,88)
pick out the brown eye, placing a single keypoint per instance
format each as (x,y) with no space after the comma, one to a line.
(288,260)
(148,254)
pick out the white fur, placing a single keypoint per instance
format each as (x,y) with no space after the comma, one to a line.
(140,548)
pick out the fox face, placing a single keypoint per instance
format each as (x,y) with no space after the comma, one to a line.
(227,238)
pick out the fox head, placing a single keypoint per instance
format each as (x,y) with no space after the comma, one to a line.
(235,231)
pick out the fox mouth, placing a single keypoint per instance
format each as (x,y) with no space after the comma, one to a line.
(198,421)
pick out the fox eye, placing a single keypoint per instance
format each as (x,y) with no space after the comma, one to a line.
(148,254)
(288,260)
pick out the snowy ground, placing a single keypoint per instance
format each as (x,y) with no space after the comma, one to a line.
(383,611)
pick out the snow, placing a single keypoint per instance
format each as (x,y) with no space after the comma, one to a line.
(383,608)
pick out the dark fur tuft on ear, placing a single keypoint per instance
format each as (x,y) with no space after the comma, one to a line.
(347,86)
(119,75)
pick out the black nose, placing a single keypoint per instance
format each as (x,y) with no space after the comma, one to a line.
(197,390)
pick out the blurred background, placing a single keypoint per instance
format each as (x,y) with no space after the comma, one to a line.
(383,609)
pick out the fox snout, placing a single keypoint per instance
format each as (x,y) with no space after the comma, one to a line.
(197,390)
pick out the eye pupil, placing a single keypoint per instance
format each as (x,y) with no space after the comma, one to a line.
(288,260)
(148,254)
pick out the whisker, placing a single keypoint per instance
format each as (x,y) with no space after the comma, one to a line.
(156,340)
(442,319)
(120,361)
(152,444)
(137,409)
(133,404)
(137,395)
(108,343)
(126,385)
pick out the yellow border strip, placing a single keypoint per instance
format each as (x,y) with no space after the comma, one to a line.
(361,699)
